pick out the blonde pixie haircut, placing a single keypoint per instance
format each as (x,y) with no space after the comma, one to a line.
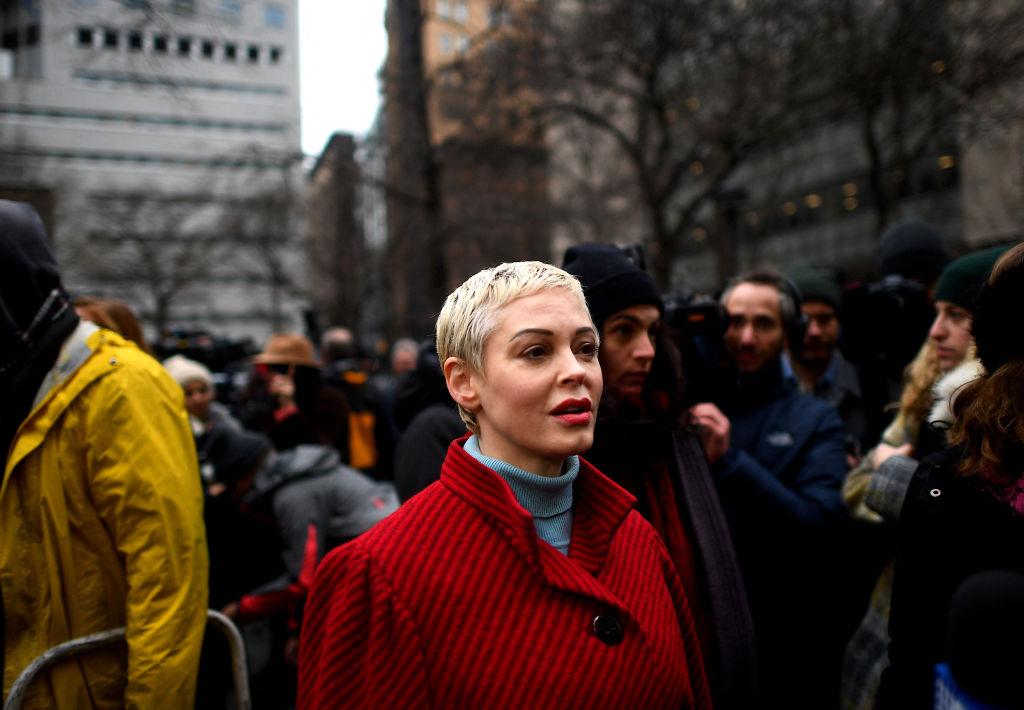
(469,314)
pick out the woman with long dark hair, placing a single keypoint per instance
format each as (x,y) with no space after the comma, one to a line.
(964,510)
(876,488)
(645,442)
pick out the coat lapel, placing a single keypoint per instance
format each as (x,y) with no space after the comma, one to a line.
(599,507)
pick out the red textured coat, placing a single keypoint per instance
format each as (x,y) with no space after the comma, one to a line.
(453,601)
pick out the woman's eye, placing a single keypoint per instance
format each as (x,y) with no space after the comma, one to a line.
(588,349)
(534,353)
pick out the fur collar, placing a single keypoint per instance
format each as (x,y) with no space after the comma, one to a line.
(946,388)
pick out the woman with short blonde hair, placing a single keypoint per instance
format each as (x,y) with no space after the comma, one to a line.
(523,577)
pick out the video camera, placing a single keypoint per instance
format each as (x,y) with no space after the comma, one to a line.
(696,325)
(225,357)
(885,324)
(699,323)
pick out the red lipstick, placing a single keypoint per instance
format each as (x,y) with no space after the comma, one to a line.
(574,411)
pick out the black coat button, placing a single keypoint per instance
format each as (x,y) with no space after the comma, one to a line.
(608,629)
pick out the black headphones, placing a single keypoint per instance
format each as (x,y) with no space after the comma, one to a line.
(796,325)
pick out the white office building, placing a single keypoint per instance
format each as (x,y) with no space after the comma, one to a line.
(159,139)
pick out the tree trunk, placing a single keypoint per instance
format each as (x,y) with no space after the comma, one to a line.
(876,170)
(413,88)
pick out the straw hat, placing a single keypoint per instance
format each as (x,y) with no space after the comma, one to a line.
(287,349)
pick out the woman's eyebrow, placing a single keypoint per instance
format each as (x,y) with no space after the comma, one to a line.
(628,318)
(633,320)
(532,331)
(548,333)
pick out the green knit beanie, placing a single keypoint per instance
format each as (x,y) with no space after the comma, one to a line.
(815,284)
(963,277)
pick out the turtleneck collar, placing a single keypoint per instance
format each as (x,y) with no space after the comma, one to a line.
(547,499)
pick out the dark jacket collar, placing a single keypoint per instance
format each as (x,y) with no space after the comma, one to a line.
(751,390)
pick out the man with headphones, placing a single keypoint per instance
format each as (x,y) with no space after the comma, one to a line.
(778,461)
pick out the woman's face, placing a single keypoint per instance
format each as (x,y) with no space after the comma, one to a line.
(951,333)
(536,399)
(198,396)
(627,349)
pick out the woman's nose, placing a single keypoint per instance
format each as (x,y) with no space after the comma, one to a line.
(644,349)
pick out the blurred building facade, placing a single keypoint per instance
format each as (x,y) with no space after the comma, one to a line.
(993,155)
(808,199)
(160,140)
(822,188)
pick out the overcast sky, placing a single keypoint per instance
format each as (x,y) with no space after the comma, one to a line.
(341,45)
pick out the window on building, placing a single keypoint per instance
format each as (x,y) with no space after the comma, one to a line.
(275,55)
(7,64)
(230,51)
(85,36)
(446,43)
(274,15)
(141,4)
(443,8)
(183,6)
(184,46)
(160,44)
(253,53)
(461,44)
(231,10)
(207,49)
(32,35)
(9,40)
(461,13)
(135,41)
(110,39)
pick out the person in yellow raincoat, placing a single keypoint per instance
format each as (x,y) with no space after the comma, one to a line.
(100,506)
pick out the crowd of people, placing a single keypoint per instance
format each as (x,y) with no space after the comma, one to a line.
(570,496)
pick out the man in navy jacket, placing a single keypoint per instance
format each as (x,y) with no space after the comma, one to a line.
(778,460)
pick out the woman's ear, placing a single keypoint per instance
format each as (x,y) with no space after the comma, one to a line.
(461,383)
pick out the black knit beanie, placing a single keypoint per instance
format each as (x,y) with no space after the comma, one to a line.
(962,279)
(611,282)
(911,249)
(234,454)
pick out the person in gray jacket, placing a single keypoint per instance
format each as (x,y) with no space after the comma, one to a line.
(316,501)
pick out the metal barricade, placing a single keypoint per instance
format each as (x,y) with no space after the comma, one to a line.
(239,669)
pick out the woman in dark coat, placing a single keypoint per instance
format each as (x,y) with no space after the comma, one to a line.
(644,443)
(964,510)
(288,401)
(523,577)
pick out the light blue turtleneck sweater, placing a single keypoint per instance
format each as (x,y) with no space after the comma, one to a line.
(548,500)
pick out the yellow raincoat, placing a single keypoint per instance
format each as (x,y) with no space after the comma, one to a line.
(101,526)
